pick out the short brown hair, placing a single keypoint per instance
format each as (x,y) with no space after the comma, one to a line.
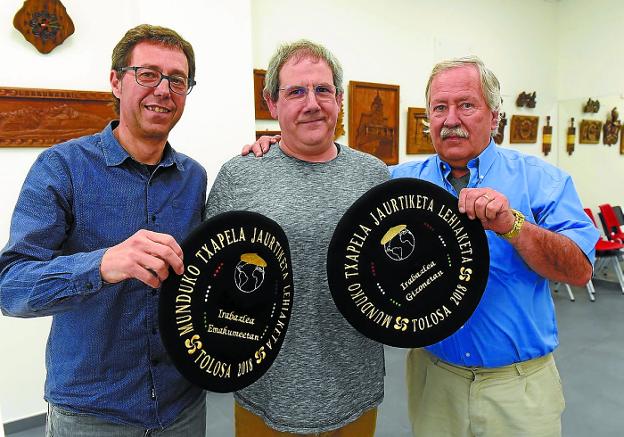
(147,32)
(299,50)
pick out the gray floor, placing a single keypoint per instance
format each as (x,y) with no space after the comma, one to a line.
(590,360)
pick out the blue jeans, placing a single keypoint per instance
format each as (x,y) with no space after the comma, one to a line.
(62,423)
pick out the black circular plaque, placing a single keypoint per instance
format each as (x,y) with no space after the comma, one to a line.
(224,320)
(405,268)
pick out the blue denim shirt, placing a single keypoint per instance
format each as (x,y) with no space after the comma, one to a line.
(515,320)
(104,355)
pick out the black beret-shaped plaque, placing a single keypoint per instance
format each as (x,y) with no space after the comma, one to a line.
(405,268)
(224,320)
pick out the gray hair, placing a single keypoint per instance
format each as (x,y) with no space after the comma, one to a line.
(489,83)
(299,50)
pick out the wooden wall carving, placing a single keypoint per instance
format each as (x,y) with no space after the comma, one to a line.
(590,131)
(374,119)
(523,129)
(35,117)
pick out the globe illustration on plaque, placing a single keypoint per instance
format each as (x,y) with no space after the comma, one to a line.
(398,243)
(249,272)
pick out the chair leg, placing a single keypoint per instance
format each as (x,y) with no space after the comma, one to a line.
(618,272)
(570,292)
(591,290)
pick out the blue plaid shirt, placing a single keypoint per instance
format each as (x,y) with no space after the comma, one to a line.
(515,320)
(104,355)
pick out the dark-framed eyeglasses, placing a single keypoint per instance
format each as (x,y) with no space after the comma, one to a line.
(322,91)
(151,78)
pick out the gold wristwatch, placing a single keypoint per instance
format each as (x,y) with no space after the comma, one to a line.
(517,225)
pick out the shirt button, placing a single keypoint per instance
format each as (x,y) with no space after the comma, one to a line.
(468,354)
(154,291)
(153,218)
(154,363)
(154,331)
(89,286)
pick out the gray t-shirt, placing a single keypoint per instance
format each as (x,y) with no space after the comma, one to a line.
(327,374)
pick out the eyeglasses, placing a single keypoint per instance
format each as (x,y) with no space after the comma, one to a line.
(151,78)
(323,92)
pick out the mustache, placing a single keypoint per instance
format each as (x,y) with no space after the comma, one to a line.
(457,131)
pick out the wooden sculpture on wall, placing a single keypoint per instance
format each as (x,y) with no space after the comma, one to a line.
(590,131)
(44,23)
(592,106)
(523,129)
(418,138)
(570,139)
(611,128)
(547,137)
(526,99)
(499,136)
(260,105)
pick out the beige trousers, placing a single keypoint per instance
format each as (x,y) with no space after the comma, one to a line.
(523,399)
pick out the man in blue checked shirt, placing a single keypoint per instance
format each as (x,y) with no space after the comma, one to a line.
(496,375)
(93,235)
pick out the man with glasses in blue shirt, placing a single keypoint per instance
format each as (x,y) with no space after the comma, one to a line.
(93,235)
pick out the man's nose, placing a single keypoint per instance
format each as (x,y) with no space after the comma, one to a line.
(452,118)
(163,88)
(311,102)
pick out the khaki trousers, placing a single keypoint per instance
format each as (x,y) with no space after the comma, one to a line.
(248,424)
(523,399)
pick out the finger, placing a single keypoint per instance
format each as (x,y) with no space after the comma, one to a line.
(246,149)
(259,149)
(166,240)
(481,204)
(164,247)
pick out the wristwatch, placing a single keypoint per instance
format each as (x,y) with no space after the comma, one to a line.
(517,225)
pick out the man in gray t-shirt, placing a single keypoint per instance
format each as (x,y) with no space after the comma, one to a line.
(327,375)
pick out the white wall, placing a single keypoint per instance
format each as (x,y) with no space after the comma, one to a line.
(590,64)
(218,119)
(398,42)
(565,50)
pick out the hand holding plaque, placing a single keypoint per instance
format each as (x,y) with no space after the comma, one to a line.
(405,268)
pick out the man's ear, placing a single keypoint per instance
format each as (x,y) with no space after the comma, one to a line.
(339,98)
(115,82)
(494,124)
(271,104)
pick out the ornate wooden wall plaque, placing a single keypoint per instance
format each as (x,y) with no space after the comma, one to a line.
(44,23)
(418,139)
(34,117)
(590,132)
(374,119)
(523,129)
(262,109)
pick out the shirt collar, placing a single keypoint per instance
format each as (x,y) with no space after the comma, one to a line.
(478,166)
(115,154)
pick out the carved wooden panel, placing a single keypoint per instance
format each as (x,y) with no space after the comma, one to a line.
(590,132)
(418,138)
(523,129)
(262,109)
(374,119)
(34,117)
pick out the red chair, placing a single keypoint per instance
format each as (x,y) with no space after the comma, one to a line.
(612,224)
(608,251)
